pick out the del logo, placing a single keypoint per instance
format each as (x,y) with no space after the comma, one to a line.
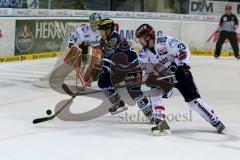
(214,37)
(24,39)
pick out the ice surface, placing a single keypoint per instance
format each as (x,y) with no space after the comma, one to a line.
(117,137)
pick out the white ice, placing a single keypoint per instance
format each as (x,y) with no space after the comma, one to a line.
(115,137)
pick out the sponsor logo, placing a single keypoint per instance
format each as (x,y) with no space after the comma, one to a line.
(202,6)
(164,61)
(86,35)
(161,40)
(53,30)
(29,57)
(203,109)
(24,39)
(128,34)
(53,46)
(160,66)
(13,4)
(93,43)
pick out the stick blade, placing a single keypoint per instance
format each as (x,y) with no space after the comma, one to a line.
(39,120)
(67,90)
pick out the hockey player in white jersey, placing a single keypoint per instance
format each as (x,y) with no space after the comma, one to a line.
(86,35)
(163,55)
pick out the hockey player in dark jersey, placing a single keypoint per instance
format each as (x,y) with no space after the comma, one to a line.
(112,46)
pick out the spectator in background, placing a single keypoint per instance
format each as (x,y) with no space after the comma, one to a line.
(227,30)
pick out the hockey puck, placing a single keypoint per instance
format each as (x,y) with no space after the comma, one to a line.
(49,112)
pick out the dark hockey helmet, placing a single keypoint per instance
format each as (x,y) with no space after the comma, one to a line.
(145,30)
(106,24)
(94,20)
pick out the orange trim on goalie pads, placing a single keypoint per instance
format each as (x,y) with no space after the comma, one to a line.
(95,58)
(74,58)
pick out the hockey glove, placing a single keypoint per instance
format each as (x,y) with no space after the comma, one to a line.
(182,72)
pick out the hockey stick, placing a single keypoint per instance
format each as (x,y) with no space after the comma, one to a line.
(82,93)
(39,120)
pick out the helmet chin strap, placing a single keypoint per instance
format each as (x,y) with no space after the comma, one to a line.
(109,34)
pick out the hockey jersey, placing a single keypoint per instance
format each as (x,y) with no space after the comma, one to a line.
(86,36)
(166,52)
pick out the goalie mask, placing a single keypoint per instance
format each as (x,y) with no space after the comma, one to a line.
(94,20)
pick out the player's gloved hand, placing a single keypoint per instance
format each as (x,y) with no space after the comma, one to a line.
(182,72)
(172,68)
(92,72)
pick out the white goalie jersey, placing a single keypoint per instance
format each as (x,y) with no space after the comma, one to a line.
(84,35)
(166,52)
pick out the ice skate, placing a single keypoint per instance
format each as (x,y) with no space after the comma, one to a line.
(118,108)
(221,129)
(162,128)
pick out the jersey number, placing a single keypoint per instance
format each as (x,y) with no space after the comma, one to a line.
(73,39)
(181,46)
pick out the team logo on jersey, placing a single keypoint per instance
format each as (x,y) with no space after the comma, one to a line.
(224,18)
(24,39)
(93,43)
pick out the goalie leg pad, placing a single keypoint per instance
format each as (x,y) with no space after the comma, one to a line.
(74,56)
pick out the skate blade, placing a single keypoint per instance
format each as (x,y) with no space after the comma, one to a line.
(161,133)
(224,132)
(119,110)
